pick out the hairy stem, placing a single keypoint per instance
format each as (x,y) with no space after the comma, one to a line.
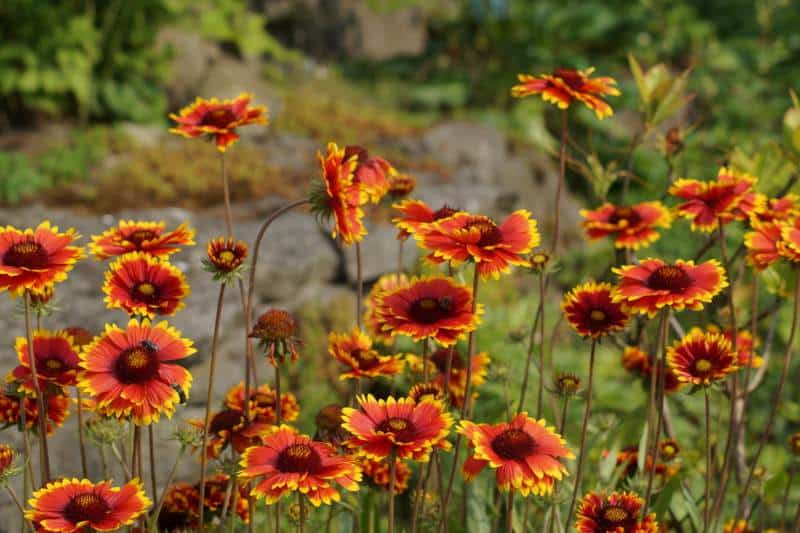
(562,161)
(539,320)
(661,371)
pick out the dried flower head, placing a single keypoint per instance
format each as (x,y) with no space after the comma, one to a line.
(275,329)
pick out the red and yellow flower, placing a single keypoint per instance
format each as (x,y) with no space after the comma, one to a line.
(397,425)
(229,427)
(617,512)
(78,505)
(780,209)
(745,347)
(133,372)
(457,383)
(566,85)
(290,462)
(592,310)
(637,362)
(56,361)
(628,458)
(6,458)
(217,490)
(789,243)
(377,470)
(401,185)
(707,203)
(702,357)
(632,227)
(385,284)
(653,284)
(525,452)
(143,285)
(430,307)
(226,257)
(262,404)
(372,174)
(218,119)
(32,259)
(493,248)
(138,236)
(762,244)
(415,214)
(179,511)
(57,406)
(355,351)
(339,196)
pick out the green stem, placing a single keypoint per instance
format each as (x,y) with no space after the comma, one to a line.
(44,451)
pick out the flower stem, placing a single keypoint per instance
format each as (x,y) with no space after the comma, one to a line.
(18,503)
(707,506)
(226,193)
(154,520)
(302,503)
(277,423)
(400,268)
(562,160)
(81,442)
(510,511)
(563,422)
(209,397)
(392,480)
(787,360)
(44,452)
(584,427)
(539,320)
(151,442)
(660,369)
(359,284)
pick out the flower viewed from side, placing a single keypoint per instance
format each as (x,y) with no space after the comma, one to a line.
(180,509)
(566,384)
(372,174)
(137,236)
(339,196)
(6,458)
(741,526)
(135,372)
(708,202)
(57,407)
(566,85)
(426,391)
(457,383)
(229,427)
(411,430)
(591,309)
(401,185)
(290,462)
(355,351)
(218,119)
(493,248)
(56,361)
(377,471)
(275,329)
(143,285)
(525,452)
(385,284)
(653,284)
(32,259)
(415,214)
(79,505)
(780,209)
(225,258)
(636,360)
(431,307)
(631,227)
(262,403)
(617,512)
(702,357)
(762,244)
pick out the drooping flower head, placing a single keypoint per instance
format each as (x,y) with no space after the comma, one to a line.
(493,248)
(592,310)
(145,286)
(230,427)
(653,284)
(218,119)
(708,202)
(56,361)
(180,509)
(431,307)
(457,384)
(702,357)
(138,236)
(57,407)
(385,284)
(525,453)
(32,259)
(262,403)
(412,430)
(566,85)
(377,472)
(290,462)
(617,512)
(372,174)
(134,372)
(225,258)
(632,227)
(339,196)
(275,329)
(354,350)
(415,214)
(78,505)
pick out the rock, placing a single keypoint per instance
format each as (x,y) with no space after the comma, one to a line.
(387,34)
(192,57)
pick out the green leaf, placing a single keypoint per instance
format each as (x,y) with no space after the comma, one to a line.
(636,70)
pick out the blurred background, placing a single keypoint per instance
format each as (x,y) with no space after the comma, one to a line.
(86,88)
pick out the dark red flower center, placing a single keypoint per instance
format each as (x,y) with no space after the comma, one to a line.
(226,420)
(299,458)
(138,364)
(612,517)
(141,235)
(571,77)
(626,214)
(444,212)
(145,292)
(219,118)
(429,310)
(490,233)
(360,152)
(366,359)
(402,428)
(669,278)
(513,444)
(52,366)
(86,507)
(440,356)
(26,254)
